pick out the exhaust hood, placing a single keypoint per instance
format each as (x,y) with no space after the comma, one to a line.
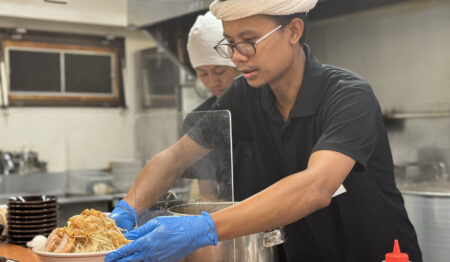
(168,23)
(147,12)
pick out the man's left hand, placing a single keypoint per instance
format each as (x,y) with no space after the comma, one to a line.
(167,239)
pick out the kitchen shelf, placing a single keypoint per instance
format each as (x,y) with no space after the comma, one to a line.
(416,115)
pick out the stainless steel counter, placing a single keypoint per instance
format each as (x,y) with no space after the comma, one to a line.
(64,199)
(70,199)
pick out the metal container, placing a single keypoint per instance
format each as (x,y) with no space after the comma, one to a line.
(258,247)
(159,208)
(427,200)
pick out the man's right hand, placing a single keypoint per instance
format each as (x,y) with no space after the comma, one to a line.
(124,215)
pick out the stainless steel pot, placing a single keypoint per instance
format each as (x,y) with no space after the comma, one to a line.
(258,247)
(428,204)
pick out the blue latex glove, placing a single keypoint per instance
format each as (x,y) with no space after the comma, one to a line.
(167,239)
(124,215)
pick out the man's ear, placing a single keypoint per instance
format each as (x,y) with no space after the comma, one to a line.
(296,28)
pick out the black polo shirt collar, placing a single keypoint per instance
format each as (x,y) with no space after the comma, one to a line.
(308,99)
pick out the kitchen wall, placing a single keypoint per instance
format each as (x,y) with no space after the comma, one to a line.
(99,12)
(77,138)
(403,51)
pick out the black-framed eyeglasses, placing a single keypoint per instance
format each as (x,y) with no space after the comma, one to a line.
(247,49)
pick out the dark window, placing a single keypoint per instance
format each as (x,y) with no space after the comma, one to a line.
(34,72)
(67,71)
(161,78)
(88,73)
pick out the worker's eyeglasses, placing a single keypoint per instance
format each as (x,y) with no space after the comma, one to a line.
(247,49)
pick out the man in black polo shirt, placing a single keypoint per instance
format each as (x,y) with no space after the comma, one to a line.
(315,128)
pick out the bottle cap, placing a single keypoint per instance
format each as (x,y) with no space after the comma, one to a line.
(396,255)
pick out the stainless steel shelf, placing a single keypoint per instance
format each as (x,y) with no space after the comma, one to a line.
(416,115)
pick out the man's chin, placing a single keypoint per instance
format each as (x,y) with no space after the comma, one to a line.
(255,83)
(217,94)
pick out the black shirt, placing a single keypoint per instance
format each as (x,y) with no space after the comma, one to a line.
(206,105)
(335,110)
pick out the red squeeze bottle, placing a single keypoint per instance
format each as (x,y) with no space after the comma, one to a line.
(396,255)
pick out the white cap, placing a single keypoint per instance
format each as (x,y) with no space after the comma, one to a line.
(238,9)
(204,35)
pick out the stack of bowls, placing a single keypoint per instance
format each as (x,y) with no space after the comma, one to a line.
(29,216)
(124,173)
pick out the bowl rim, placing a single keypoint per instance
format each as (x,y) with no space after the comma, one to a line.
(72,255)
(32,199)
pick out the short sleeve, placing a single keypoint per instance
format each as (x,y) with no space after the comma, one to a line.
(211,130)
(350,123)
(213,127)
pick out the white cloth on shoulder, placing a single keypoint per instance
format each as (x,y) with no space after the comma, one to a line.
(237,9)
(204,35)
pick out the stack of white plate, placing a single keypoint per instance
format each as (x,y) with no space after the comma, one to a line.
(125,172)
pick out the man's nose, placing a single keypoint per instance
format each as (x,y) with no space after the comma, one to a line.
(238,57)
(213,80)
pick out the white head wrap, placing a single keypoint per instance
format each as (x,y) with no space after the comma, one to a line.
(237,9)
(204,35)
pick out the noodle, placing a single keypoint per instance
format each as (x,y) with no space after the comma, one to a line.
(92,231)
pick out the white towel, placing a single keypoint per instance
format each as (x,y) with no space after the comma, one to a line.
(237,9)
(204,35)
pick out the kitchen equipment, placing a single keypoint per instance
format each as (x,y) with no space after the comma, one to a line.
(29,216)
(6,163)
(170,199)
(83,182)
(258,247)
(22,163)
(426,190)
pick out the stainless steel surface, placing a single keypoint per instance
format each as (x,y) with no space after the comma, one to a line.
(430,216)
(83,182)
(417,115)
(38,183)
(56,183)
(250,248)
(438,187)
(64,199)
(426,190)
(412,173)
(146,12)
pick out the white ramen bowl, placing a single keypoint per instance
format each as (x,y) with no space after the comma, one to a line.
(71,257)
